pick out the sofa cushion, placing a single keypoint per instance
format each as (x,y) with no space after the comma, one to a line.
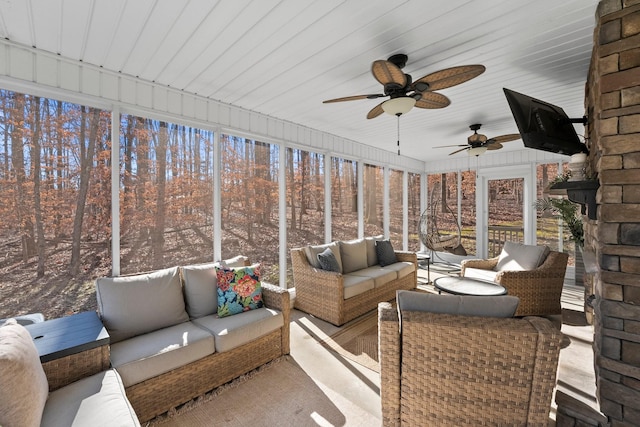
(149,355)
(328,261)
(98,400)
(372,258)
(481,274)
(403,268)
(464,305)
(519,257)
(386,254)
(355,285)
(353,254)
(134,305)
(312,253)
(234,331)
(201,285)
(23,383)
(239,289)
(381,276)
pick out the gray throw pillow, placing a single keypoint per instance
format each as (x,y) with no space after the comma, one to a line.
(328,261)
(386,254)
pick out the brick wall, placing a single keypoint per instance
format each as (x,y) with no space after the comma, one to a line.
(613,106)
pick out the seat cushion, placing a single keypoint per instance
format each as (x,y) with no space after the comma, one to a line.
(464,305)
(201,285)
(519,257)
(355,285)
(234,331)
(480,273)
(149,355)
(381,276)
(354,255)
(135,305)
(97,401)
(23,383)
(402,268)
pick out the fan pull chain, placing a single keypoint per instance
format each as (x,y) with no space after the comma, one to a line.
(398,116)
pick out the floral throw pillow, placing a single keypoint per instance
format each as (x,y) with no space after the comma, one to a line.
(239,289)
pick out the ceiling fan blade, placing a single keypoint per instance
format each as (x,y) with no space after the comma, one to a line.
(385,72)
(375,111)
(494,146)
(432,100)
(460,150)
(353,98)
(505,138)
(450,76)
(447,146)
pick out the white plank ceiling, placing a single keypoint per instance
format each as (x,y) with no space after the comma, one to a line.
(284,57)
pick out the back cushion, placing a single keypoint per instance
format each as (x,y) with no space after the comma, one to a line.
(372,258)
(354,255)
(24,388)
(463,305)
(135,305)
(200,285)
(312,253)
(519,257)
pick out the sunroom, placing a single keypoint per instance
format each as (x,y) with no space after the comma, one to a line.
(144,135)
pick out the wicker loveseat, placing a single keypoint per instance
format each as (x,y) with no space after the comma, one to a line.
(169,345)
(362,283)
(537,281)
(456,369)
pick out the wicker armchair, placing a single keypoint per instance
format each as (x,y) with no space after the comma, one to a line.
(539,290)
(452,370)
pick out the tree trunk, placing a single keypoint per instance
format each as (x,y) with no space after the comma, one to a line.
(370,211)
(86,163)
(35,157)
(157,237)
(292,187)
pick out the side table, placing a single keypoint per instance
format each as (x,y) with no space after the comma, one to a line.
(71,348)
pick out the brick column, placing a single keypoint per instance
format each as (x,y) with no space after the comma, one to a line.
(613,104)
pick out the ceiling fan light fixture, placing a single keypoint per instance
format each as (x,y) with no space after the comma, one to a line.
(398,106)
(476,151)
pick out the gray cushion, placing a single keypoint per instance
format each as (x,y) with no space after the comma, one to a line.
(23,383)
(328,261)
(200,285)
(519,257)
(135,305)
(149,355)
(381,276)
(353,254)
(355,285)
(97,401)
(464,305)
(312,253)
(233,331)
(372,258)
(386,254)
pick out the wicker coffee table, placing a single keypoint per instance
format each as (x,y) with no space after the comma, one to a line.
(467,286)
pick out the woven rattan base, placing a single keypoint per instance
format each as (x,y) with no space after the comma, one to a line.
(74,367)
(164,392)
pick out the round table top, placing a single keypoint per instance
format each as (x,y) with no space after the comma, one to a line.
(468,286)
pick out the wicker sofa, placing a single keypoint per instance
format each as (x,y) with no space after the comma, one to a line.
(362,283)
(168,343)
(532,273)
(452,361)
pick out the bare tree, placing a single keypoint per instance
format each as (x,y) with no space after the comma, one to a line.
(35,158)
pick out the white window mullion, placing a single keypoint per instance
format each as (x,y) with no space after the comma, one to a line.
(115,191)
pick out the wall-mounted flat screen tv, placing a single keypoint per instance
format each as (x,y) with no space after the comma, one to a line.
(544,126)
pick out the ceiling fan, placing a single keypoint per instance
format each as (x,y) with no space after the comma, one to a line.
(404,93)
(477,143)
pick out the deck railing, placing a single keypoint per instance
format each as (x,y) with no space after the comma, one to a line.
(498,234)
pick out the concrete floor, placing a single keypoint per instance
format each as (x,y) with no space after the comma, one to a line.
(355,390)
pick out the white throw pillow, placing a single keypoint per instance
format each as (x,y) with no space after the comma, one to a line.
(519,257)
(23,384)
